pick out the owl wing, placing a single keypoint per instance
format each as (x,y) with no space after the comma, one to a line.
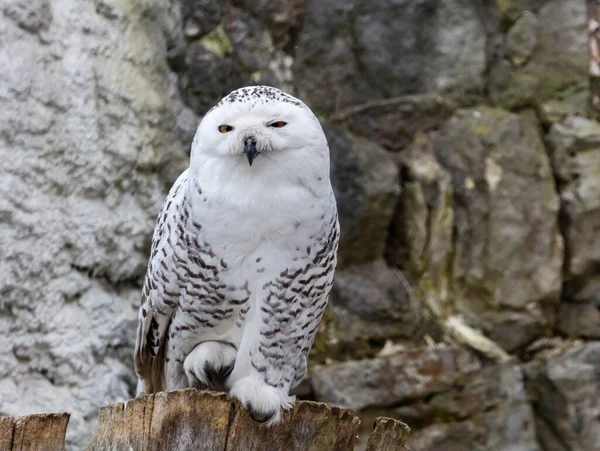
(162,287)
(316,286)
(292,308)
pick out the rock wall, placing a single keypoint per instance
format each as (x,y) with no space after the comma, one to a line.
(466,170)
(89,144)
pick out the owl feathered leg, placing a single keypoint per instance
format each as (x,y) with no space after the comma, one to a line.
(264,367)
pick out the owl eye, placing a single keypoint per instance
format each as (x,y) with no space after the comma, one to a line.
(278,124)
(225,128)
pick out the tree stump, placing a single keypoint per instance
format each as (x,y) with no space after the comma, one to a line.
(203,420)
(44,432)
(196,420)
(388,434)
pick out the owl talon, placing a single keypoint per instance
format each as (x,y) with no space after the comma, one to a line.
(258,416)
(218,375)
(263,402)
(228,370)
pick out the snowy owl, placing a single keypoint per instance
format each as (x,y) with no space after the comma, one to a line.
(243,256)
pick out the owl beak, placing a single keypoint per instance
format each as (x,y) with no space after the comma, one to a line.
(250,149)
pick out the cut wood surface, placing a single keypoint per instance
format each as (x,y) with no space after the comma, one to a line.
(197,420)
(43,432)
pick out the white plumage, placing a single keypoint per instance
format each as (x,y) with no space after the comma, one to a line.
(243,256)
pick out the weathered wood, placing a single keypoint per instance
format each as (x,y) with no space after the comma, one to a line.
(43,432)
(457,330)
(308,426)
(201,420)
(7,427)
(181,419)
(388,435)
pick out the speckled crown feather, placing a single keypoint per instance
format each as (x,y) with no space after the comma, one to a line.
(261,94)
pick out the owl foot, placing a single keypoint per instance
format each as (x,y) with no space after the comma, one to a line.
(210,364)
(263,402)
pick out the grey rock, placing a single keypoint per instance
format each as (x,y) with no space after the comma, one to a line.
(389,43)
(32,16)
(503,190)
(279,73)
(326,73)
(366,183)
(252,45)
(455,57)
(489,410)
(421,231)
(89,145)
(478,218)
(474,394)
(513,88)
(565,391)
(280,16)
(562,34)
(547,438)
(574,144)
(522,38)
(559,59)
(393,123)
(186,120)
(350,53)
(209,77)
(395,379)
(509,430)
(448,437)
(511,10)
(200,17)
(511,330)
(303,390)
(579,320)
(370,301)
(573,101)
(575,153)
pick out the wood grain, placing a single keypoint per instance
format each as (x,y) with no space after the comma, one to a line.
(388,435)
(202,420)
(43,432)
(191,419)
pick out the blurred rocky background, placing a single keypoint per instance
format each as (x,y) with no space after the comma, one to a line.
(467,173)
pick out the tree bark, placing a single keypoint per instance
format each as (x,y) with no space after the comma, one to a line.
(44,432)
